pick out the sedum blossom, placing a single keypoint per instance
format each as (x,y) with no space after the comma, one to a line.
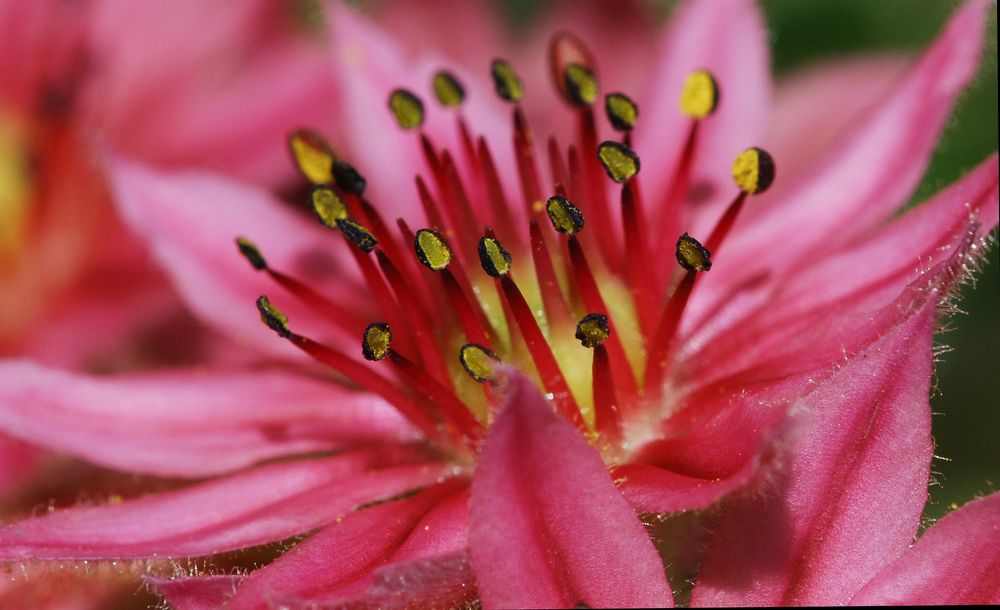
(512,350)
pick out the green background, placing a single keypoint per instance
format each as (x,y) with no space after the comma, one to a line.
(967,418)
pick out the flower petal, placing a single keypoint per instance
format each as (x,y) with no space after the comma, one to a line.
(816,539)
(871,171)
(190,221)
(342,554)
(254,507)
(956,561)
(546,521)
(729,39)
(188,423)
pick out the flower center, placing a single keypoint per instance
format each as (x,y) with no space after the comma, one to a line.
(579,309)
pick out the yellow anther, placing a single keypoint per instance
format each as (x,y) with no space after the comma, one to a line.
(407,108)
(700,94)
(506,81)
(432,250)
(618,160)
(272,316)
(447,89)
(478,361)
(328,205)
(581,85)
(622,111)
(312,155)
(357,234)
(376,341)
(565,217)
(753,171)
(692,255)
(593,330)
(493,257)
(251,252)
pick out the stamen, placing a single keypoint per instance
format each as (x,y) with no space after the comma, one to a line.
(637,263)
(700,95)
(478,361)
(524,150)
(499,207)
(348,178)
(566,218)
(753,172)
(407,108)
(328,206)
(619,161)
(556,308)
(435,254)
(695,258)
(431,209)
(593,331)
(312,155)
(566,49)
(420,415)
(357,234)
(377,345)
(581,85)
(342,316)
(496,262)
(506,81)
(622,111)
(447,89)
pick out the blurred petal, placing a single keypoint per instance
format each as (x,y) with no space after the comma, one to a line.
(190,221)
(871,171)
(255,507)
(815,538)
(188,423)
(956,561)
(542,495)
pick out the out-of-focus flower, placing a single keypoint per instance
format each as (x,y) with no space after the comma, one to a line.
(783,367)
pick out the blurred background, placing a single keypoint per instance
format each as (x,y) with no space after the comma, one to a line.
(967,400)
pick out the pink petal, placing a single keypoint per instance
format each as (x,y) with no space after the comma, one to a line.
(343,553)
(202,593)
(729,39)
(788,321)
(222,95)
(190,221)
(871,171)
(824,100)
(189,423)
(816,538)
(547,526)
(957,561)
(255,507)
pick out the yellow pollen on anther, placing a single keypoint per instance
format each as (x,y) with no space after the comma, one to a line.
(593,330)
(622,111)
(493,257)
(272,316)
(478,361)
(753,171)
(506,81)
(447,89)
(407,108)
(619,161)
(700,95)
(692,255)
(251,252)
(432,250)
(376,341)
(581,84)
(357,234)
(312,155)
(565,217)
(328,206)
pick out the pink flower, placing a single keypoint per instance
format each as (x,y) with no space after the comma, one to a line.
(783,384)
